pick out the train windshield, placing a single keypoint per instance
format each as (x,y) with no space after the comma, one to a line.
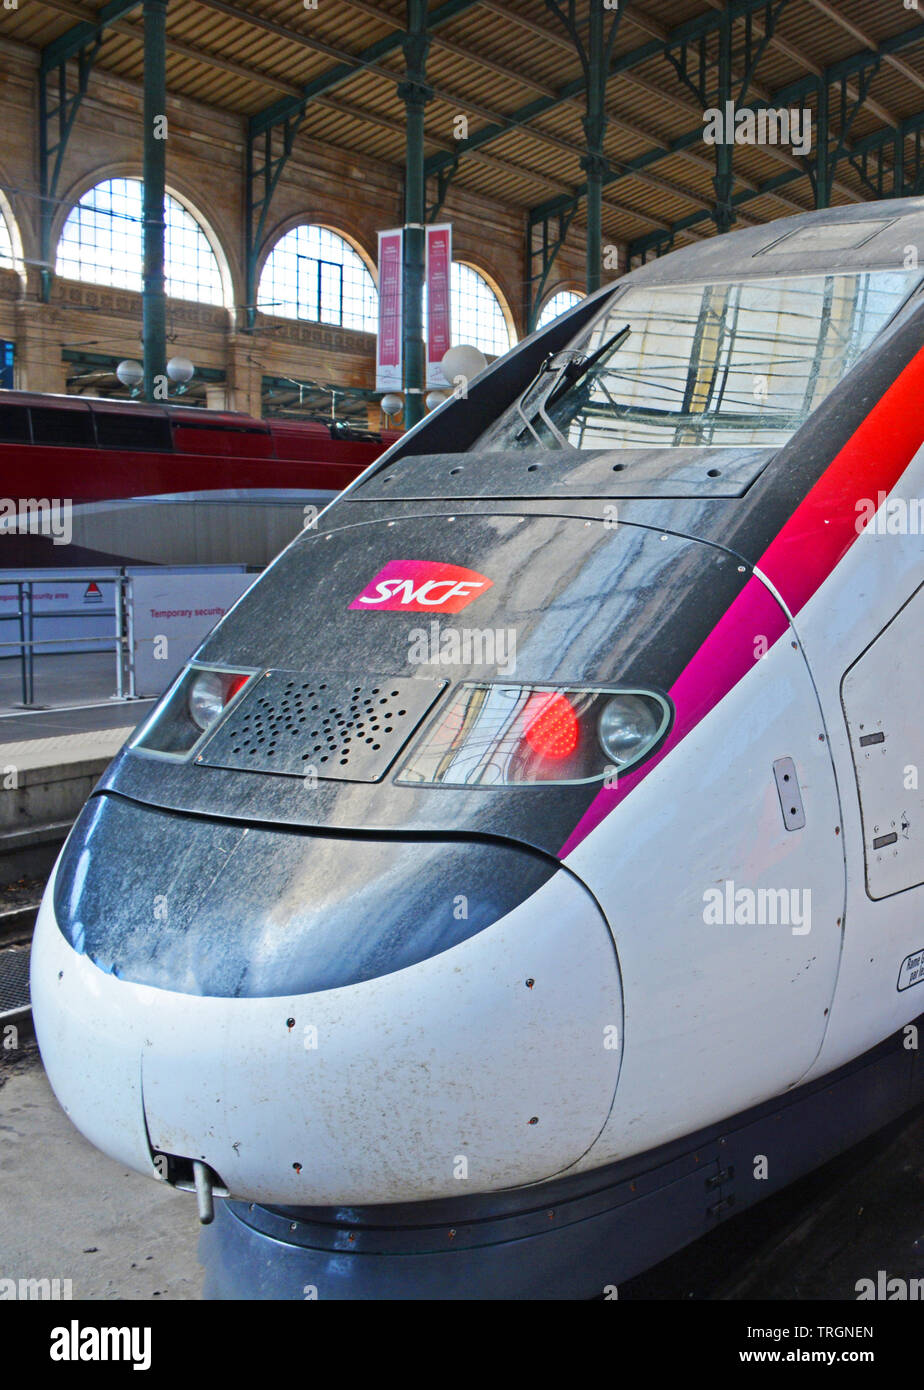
(711,365)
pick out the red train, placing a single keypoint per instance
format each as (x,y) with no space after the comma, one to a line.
(136,483)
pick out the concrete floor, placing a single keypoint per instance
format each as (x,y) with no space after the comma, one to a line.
(75,694)
(68,1212)
(69,678)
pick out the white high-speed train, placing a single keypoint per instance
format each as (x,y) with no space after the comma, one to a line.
(528,872)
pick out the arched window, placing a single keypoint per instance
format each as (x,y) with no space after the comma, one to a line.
(7,259)
(102,242)
(477,315)
(313,273)
(564,299)
(10,240)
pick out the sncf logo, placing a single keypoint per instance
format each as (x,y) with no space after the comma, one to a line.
(422,586)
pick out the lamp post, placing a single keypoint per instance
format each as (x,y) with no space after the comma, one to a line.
(154,304)
(180,371)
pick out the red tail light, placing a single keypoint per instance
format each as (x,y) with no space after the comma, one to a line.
(494,734)
(237,684)
(550,725)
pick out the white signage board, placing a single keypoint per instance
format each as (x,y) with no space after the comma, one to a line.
(173,613)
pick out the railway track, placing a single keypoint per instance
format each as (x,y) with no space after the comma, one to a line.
(19,905)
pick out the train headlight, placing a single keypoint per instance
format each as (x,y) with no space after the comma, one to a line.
(209,692)
(630,724)
(496,734)
(189,710)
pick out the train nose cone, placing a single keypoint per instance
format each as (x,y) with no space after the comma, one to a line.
(324,1020)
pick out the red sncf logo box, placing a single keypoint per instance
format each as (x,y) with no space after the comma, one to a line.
(422,586)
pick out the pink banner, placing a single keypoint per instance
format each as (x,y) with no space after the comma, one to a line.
(439,305)
(388,362)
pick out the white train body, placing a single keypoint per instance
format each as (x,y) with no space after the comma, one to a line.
(460,1000)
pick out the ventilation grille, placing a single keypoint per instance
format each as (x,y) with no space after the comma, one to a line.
(344,728)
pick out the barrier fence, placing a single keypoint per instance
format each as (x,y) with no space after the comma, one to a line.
(156,618)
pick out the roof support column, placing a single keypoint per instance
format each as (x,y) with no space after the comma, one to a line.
(596,56)
(898,165)
(723,181)
(415,93)
(822,164)
(594,162)
(154,305)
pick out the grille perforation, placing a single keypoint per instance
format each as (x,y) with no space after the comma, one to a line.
(342,727)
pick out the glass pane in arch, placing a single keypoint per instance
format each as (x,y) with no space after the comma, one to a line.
(564,299)
(101,242)
(313,273)
(6,244)
(477,316)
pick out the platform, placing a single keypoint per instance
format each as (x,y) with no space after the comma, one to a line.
(74,694)
(50,760)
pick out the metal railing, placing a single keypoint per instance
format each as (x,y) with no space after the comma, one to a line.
(121,642)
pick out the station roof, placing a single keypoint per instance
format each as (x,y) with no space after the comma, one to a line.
(512,69)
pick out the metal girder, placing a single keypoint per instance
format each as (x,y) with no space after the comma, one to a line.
(862,37)
(522,116)
(61,90)
(821,166)
(705,68)
(70,43)
(415,94)
(342,72)
(595,55)
(687,33)
(444,177)
(264,167)
(871,146)
(903,177)
(267,155)
(683,34)
(154,284)
(660,245)
(724,180)
(618,121)
(695,74)
(630,167)
(852,65)
(785,96)
(651,239)
(542,247)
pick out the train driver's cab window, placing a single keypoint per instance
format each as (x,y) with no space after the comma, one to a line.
(729,364)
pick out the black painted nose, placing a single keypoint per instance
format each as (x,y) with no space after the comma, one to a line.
(221,908)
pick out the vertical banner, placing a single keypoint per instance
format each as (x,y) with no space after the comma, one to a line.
(439,306)
(388,356)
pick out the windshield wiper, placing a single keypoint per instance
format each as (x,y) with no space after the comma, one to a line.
(579,366)
(569,367)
